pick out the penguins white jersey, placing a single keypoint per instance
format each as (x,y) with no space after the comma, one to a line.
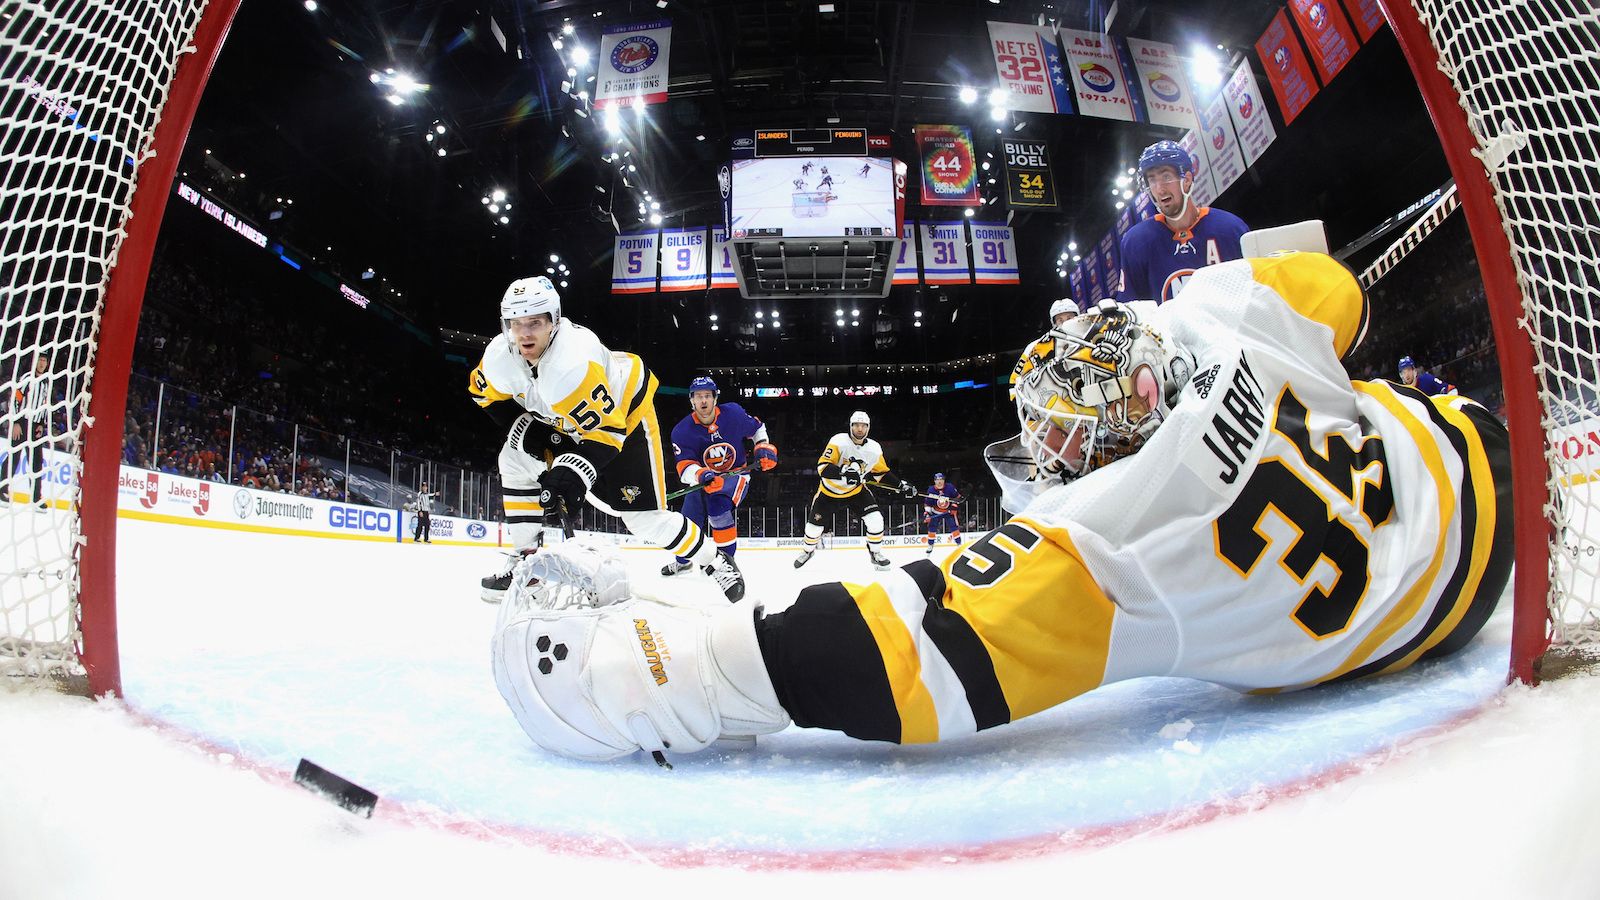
(867,458)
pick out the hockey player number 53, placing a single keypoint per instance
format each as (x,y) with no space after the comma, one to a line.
(998,558)
(587,418)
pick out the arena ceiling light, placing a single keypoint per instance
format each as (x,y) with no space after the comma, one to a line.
(997,97)
(655,218)
(1205,66)
(580,56)
(968,95)
(998,114)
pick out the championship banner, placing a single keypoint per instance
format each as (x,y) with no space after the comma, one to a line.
(994,250)
(1144,207)
(1367,16)
(905,261)
(1220,146)
(949,172)
(1249,113)
(683,259)
(1029,66)
(1096,73)
(1110,262)
(632,66)
(1029,182)
(1093,284)
(1286,67)
(1205,187)
(944,253)
(722,271)
(1167,97)
(1124,222)
(1076,277)
(1326,34)
(633,263)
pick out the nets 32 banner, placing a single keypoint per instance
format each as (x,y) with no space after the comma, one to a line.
(1167,98)
(633,64)
(1029,65)
(944,253)
(949,173)
(1029,182)
(683,259)
(994,250)
(633,264)
(1098,83)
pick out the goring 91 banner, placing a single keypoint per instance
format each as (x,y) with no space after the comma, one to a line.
(1029,182)
(994,251)
(949,172)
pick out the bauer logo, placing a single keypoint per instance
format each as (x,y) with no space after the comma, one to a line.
(634,54)
(1247,105)
(1162,85)
(354,518)
(1096,76)
(476,531)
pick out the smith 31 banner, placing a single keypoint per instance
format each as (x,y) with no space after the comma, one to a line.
(1029,182)
(1029,65)
(1326,34)
(1367,16)
(1249,113)
(905,261)
(949,173)
(1096,73)
(994,252)
(722,273)
(633,264)
(1167,97)
(683,259)
(1286,67)
(944,252)
(632,67)
(1220,145)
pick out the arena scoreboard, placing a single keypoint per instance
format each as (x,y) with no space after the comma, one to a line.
(763,143)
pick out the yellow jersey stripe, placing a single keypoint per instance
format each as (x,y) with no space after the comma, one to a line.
(919,722)
(1321,289)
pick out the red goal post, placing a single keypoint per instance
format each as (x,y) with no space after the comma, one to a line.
(96,99)
(1513,87)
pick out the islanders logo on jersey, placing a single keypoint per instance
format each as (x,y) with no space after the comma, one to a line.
(1174,284)
(634,53)
(1096,76)
(719,456)
(1280,57)
(1247,105)
(1163,86)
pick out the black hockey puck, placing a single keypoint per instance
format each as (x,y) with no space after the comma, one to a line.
(347,794)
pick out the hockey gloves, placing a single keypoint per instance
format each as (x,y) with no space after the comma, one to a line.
(906,490)
(766,456)
(566,482)
(711,480)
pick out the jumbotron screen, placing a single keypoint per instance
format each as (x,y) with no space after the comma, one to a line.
(813,196)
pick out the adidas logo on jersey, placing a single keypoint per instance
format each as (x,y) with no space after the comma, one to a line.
(1204,381)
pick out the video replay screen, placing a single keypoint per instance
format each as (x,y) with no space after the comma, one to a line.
(813,196)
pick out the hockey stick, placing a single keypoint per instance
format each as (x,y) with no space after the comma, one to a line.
(1448,203)
(746,468)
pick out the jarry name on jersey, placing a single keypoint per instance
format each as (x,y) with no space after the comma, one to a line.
(1230,442)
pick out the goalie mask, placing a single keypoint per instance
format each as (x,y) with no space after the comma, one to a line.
(1106,386)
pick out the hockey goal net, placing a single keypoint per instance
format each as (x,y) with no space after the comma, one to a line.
(96,97)
(1513,87)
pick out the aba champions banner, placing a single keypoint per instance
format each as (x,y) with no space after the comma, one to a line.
(1096,75)
(905,259)
(994,252)
(1028,62)
(1249,113)
(1167,98)
(632,67)
(722,273)
(949,172)
(1286,67)
(944,253)
(1326,34)
(683,259)
(633,263)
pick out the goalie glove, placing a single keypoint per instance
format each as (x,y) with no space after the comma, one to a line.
(600,683)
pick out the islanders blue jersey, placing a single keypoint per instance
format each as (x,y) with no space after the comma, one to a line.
(1156,261)
(1433,386)
(719,446)
(941,500)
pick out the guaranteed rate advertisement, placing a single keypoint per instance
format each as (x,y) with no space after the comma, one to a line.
(813,196)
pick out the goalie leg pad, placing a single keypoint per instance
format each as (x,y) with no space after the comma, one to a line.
(597,684)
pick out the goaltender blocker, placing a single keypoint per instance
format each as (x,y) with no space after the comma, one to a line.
(1207,494)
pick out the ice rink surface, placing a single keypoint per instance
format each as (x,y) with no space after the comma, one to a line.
(243,653)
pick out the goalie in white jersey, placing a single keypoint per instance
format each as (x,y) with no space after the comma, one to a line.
(581,424)
(1204,493)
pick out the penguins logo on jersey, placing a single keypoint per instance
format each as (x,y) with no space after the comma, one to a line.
(718,457)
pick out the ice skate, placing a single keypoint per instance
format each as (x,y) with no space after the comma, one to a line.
(676,566)
(725,572)
(804,557)
(494,586)
(878,559)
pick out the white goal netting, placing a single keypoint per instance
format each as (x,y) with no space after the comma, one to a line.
(1528,76)
(82,86)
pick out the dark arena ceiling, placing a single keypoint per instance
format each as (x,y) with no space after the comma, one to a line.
(292,113)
